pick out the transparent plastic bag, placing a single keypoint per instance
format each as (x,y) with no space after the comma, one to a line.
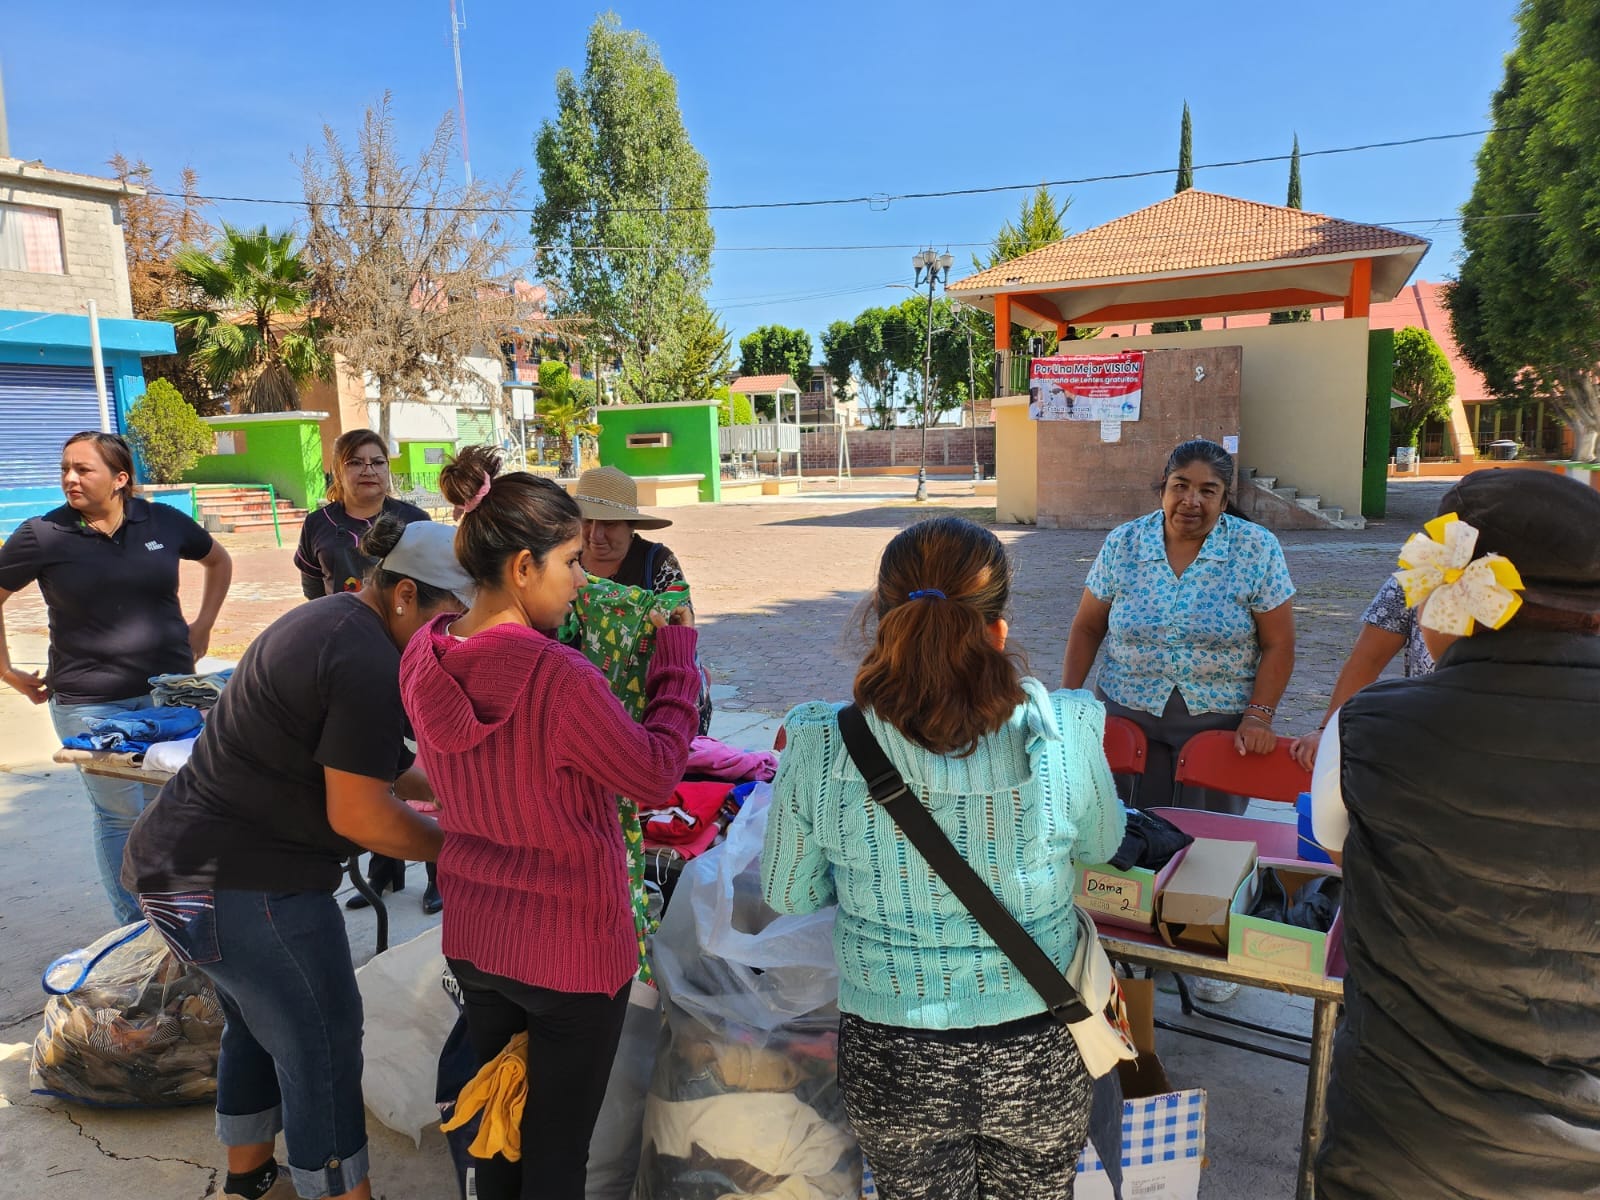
(127,1025)
(745,1095)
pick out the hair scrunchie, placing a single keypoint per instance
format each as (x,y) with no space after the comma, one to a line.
(477,499)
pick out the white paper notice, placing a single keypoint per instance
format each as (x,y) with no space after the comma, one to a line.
(1110,431)
(1231,444)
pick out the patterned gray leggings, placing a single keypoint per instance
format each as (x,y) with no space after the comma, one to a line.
(945,1115)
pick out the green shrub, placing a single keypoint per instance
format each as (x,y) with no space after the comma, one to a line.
(167,433)
(731,409)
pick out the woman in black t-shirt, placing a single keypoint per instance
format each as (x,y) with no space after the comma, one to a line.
(329,555)
(106,563)
(236,862)
(330,560)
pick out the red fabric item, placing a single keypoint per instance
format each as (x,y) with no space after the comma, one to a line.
(527,751)
(702,802)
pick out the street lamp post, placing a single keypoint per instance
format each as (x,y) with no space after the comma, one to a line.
(936,269)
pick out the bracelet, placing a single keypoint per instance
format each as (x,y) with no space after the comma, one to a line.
(1266,708)
(1250,716)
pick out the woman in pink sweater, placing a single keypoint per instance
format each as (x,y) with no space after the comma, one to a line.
(527,751)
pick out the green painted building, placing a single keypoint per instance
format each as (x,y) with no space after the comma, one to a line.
(664,439)
(283,449)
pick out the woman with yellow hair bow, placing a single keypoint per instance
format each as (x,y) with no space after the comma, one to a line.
(1467,809)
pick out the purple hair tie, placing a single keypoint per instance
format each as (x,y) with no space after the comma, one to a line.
(478,499)
(926,594)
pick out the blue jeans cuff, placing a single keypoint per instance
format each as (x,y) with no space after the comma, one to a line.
(251,1129)
(334,1178)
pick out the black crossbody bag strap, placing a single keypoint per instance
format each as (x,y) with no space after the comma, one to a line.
(889,789)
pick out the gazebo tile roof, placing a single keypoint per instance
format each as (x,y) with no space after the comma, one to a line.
(761,385)
(1192,231)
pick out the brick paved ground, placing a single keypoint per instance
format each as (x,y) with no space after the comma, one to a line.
(776,585)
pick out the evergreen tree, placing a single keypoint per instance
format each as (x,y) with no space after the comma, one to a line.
(617,170)
(1526,305)
(1293,316)
(1185,182)
(1185,154)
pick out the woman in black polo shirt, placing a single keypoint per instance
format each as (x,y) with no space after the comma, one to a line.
(107,565)
(330,560)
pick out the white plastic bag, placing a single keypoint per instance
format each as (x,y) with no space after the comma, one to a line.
(406,1016)
(614,1147)
(745,1095)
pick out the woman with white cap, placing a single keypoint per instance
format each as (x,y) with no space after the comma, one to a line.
(236,862)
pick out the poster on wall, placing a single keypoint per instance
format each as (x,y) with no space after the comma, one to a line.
(1086,387)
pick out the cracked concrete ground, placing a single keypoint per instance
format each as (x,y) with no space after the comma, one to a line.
(775,583)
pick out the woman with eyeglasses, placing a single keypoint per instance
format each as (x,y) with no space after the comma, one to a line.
(330,560)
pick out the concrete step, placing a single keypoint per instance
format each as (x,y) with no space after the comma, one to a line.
(1286,493)
(1267,481)
(289,527)
(1333,512)
(245,508)
(1309,503)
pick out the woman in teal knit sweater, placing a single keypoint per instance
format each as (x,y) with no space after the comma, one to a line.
(956,1080)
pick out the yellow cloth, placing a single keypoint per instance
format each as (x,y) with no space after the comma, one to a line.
(500,1092)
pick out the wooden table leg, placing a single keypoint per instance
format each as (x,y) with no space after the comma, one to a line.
(1324,1021)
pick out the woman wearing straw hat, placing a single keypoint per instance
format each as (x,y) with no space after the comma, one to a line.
(612,548)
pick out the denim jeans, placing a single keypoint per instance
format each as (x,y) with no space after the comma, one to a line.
(117,802)
(291,1037)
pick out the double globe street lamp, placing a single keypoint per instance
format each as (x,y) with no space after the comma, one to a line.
(936,269)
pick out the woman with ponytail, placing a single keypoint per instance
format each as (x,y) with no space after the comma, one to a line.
(529,751)
(957,1080)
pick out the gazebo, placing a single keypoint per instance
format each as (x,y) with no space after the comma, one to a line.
(759,441)
(1295,398)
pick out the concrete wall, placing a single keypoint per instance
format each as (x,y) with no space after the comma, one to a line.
(283,449)
(1302,400)
(692,426)
(94,256)
(1016,467)
(1085,482)
(949,450)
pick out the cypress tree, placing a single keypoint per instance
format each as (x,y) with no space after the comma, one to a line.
(1185,182)
(1185,154)
(1295,315)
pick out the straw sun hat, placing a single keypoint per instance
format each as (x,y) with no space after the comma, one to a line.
(607,494)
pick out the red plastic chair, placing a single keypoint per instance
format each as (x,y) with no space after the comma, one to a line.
(1126,750)
(1209,760)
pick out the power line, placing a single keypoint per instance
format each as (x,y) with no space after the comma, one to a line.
(878,201)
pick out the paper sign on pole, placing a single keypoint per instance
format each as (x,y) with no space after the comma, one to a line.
(1087,387)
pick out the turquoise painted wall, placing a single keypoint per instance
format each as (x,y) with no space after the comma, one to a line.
(286,453)
(693,450)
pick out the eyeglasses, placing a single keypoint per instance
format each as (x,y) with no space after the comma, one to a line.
(366,464)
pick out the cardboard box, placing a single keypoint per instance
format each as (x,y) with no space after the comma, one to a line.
(1124,898)
(1194,907)
(1285,952)
(1163,1131)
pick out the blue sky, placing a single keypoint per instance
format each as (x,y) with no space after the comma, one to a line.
(801,101)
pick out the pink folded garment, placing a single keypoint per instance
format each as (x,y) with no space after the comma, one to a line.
(715,759)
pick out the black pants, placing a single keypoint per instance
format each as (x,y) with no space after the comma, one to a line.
(1000,1114)
(572,1038)
(1166,735)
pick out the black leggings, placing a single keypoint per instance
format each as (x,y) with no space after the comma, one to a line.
(572,1038)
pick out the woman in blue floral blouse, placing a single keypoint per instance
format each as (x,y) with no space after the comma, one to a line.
(1188,610)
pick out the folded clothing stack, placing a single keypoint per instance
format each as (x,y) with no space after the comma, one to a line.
(137,730)
(189,691)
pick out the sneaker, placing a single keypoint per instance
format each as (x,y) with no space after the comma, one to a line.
(1213,991)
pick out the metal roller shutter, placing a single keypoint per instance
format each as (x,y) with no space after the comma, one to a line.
(41,407)
(474,427)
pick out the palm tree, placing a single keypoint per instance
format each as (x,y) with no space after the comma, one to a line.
(254,337)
